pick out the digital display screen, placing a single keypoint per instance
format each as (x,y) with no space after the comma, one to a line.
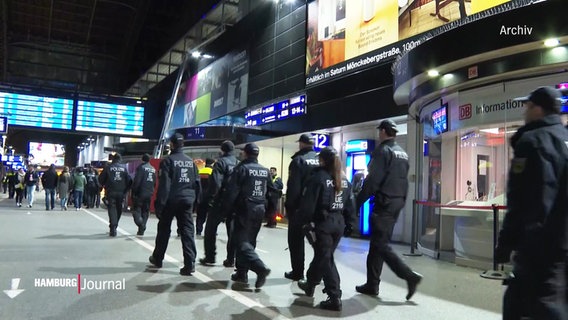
(360,161)
(563,87)
(278,111)
(36,111)
(45,154)
(3,125)
(440,119)
(110,118)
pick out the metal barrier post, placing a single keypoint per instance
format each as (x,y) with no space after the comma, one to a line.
(414,235)
(494,273)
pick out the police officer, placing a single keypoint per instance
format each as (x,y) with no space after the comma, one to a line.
(327,204)
(222,168)
(536,223)
(142,191)
(178,188)
(387,182)
(116,181)
(203,206)
(300,168)
(250,186)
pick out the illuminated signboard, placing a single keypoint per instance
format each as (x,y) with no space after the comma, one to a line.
(3,125)
(563,87)
(110,118)
(347,36)
(440,119)
(278,111)
(36,111)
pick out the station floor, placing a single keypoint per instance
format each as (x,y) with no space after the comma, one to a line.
(44,253)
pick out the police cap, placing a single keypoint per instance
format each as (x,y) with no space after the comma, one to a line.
(251,148)
(388,124)
(547,98)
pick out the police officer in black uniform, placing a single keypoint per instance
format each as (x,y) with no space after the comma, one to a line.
(142,191)
(178,188)
(222,168)
(249,189)
(327,204)
(535,227)
(387,181)
(116,181)
(299,170)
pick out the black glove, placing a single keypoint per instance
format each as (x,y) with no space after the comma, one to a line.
(502,255)
(309,232)
(348,231)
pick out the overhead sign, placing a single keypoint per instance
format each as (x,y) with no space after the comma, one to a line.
(36,111)
(281,110)
(359,146)
(110,118)
(3,125)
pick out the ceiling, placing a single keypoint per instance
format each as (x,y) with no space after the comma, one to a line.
(100,47)
(93,46)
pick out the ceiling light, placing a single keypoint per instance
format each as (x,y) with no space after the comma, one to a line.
(448,76)
(492,130)
(207,56)
(196,54)
(552,42)
(433,73)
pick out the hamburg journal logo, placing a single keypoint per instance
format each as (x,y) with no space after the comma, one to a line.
(81,284)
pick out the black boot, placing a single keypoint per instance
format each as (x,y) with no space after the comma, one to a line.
(307,287)
(240,277)
(412,282)
(332,303)
(368,289)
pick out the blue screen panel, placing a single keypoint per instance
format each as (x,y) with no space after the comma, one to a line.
(36,111)
(110,118)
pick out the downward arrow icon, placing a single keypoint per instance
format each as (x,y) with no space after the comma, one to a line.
(14,291)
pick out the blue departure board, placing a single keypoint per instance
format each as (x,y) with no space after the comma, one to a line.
(281,110)
(36,111)
(110,118)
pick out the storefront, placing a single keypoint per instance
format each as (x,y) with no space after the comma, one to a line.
(463,103)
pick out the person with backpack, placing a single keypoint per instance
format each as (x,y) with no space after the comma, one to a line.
(49,182)
(92,187)
(79,182)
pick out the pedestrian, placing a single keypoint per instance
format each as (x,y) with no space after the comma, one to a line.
(272,210)
(247,194)
(299,170)
(222,168)
(142,192)
(535,228)
(327,206)
(203,203)
(49,182)
(116,181)
(32,178)
(387,181)
(178,188)
(12,181)
(64,185)
(79,182)
(92,187)
(20,186)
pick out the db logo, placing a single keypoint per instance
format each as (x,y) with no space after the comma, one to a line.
(465,111)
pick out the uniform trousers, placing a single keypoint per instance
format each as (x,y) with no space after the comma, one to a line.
(328,233)
(183,215)
(382,221)
(296,244)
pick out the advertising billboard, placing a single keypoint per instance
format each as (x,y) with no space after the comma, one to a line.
(217,89)
(46,154)
(346,36)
